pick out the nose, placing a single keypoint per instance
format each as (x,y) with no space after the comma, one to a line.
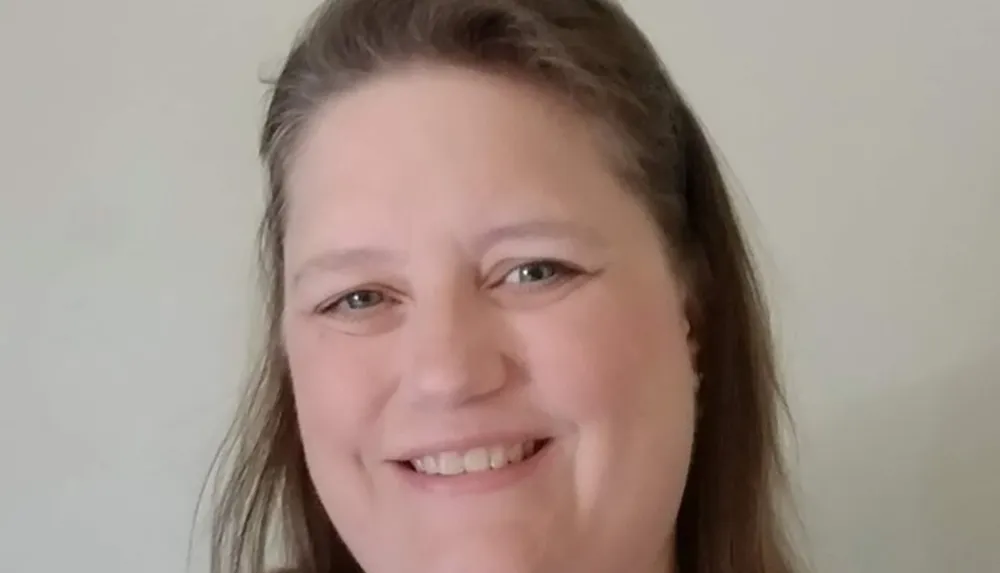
(456,354)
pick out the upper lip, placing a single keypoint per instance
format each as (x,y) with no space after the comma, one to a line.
(431,448)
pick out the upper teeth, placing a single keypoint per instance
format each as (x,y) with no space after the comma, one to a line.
(474,460)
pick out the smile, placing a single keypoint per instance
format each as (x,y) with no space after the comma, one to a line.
(476,460)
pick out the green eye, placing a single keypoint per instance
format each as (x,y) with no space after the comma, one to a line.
(536,272)
(356,301)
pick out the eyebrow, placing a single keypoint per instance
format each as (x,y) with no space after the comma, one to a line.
(539,228)
(338,259)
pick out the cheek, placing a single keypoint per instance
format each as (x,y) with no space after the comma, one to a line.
(615,367)
(335,381)
(613,352)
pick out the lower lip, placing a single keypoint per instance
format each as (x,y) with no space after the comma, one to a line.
(477,482)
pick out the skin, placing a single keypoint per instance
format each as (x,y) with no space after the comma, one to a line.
(461,260)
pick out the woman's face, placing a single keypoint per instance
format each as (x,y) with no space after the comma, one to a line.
(490,356)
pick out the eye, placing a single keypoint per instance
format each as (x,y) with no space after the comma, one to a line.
(355,302)
(539,272)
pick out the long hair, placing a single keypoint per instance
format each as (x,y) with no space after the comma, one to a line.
(590,53)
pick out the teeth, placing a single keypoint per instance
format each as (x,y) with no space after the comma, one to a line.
(477,460)
(429,464)
(516,453)
(450,464)
(498,458)
(474,460)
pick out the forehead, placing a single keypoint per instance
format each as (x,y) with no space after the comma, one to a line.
(448,142)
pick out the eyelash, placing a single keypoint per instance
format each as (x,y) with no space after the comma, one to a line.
(559,272)
(331,307)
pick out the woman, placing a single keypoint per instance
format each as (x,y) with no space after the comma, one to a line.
(514,326)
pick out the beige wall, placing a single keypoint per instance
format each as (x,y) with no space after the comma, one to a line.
(864,134)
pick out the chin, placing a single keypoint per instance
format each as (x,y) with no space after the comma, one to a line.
(480,554)
(488,559)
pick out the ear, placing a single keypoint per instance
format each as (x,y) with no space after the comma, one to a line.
(692,340)
(690,309)
(689,323)
(693,349)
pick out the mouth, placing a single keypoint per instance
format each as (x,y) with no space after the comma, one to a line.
(476,460)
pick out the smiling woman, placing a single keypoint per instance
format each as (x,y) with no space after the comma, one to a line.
(514,327)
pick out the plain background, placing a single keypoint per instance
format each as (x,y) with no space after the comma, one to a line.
(864,137)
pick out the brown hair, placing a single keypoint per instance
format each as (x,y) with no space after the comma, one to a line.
(592,54)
